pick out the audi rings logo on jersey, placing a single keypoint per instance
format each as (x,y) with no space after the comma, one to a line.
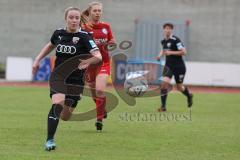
(66,49)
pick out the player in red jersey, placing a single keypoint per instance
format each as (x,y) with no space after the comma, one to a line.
(97,77)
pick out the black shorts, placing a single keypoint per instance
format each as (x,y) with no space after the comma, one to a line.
(177,71)
(70,100)
(76,80)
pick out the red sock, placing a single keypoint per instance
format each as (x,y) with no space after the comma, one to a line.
(100,107)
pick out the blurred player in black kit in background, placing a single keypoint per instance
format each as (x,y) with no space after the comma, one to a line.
(173,49)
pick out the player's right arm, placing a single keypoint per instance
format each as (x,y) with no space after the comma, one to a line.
(43,53)
(160,53)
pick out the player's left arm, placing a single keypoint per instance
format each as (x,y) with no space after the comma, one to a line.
(95,59)
(93,50)
(180,52)
(111,39)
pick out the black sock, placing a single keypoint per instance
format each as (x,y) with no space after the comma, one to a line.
(99,120)
(186,92)
(163,97)
(53,119)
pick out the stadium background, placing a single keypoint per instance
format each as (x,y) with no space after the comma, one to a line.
(26,25)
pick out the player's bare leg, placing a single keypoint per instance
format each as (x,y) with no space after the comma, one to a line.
(66,113)
(185,91)
(164,92)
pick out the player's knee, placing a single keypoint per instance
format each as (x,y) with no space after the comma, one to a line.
(164,86)
(166,80)
(58,99)
(60,102)
(179,87)
(100,92)
(91,84)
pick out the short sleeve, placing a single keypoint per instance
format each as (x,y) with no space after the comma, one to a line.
(161,45)
(54,38)
(179,44)
(89,43)
(110,34)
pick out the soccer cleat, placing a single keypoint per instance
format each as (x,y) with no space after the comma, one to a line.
(50,145)
(99,125)
(162,109)
(190,100)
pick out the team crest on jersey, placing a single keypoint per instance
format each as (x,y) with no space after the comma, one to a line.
(104,30)
(75,40)
(169,45)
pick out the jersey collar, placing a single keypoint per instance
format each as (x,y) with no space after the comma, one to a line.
(171,36)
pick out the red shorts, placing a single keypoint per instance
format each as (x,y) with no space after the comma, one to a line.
(92,72)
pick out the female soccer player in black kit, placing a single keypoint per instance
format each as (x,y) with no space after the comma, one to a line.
(69,42)
(173,49)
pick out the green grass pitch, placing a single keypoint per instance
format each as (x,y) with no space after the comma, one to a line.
(211,133)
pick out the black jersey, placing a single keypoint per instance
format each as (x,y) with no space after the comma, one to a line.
(69,45)
(173,44)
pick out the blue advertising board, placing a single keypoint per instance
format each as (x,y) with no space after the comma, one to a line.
(44,70)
